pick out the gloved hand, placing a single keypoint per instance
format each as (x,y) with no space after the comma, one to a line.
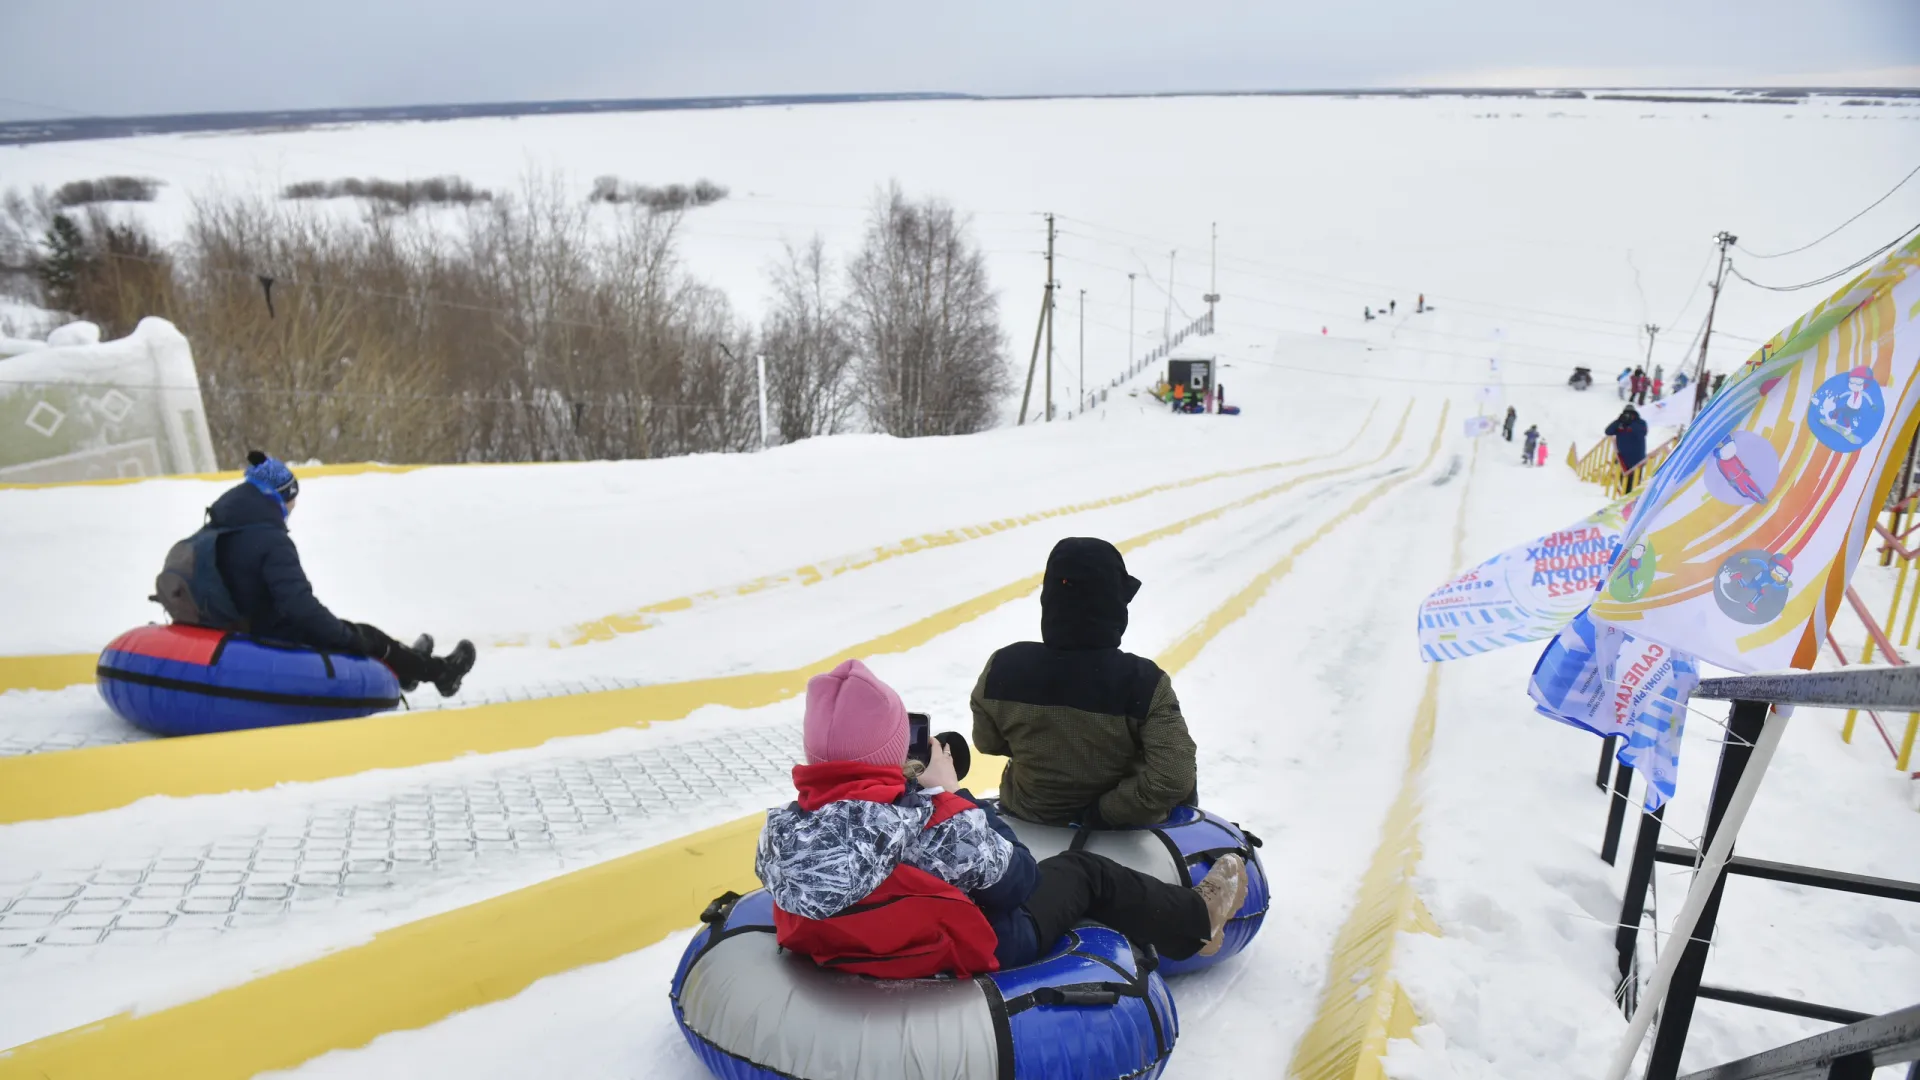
(939,771)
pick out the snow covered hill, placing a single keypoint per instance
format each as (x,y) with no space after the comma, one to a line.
(1294,539)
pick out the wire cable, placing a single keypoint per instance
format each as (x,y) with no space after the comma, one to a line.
(1840,273)
(1842,225)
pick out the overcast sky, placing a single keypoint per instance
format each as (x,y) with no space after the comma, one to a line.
(93,57)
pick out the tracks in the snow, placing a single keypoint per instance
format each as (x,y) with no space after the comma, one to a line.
(491,950)
(56,671)
(41,786)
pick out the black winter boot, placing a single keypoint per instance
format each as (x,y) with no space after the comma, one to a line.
(454,668)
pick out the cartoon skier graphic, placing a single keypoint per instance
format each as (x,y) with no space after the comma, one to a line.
(1752,586)
(1847,412)
(1726,457)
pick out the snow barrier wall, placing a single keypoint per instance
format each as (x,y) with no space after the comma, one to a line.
(105,410)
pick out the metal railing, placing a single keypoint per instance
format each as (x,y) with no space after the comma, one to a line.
(1893,549)
(1200,326)
(1851,1053)
(1870,688)
(1601,465)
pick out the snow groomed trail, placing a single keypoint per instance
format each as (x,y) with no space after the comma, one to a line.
(83,781)
(56,671)
(618,905)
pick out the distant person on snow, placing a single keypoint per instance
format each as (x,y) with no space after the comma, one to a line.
(1392,306)
(1625,383)
(1420,305)
(1179,397)
(884,869)
(1639,395)
(1656,388)
(261,570)
(1094,735)
(1629,434)
(1368,312)
(1532,441)
(1508,429)
(1541,461)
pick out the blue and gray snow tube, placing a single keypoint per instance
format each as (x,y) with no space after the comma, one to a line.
(1091,1009)
(189,680)
(1179,850)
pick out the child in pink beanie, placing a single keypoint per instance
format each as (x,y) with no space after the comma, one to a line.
(877,875)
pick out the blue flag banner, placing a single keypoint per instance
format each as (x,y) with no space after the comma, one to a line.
(1599,678)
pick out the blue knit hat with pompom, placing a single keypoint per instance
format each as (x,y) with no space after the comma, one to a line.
(273,478)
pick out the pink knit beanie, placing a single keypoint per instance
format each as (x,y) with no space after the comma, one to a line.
(853,716)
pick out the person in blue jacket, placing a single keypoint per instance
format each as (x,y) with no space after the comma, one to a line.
(1629,434)
(261,569)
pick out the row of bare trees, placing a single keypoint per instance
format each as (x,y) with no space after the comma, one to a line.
(532,327)
(907,338)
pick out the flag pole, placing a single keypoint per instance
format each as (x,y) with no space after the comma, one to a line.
(1718,853)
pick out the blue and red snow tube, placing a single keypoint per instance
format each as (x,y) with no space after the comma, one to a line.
(189,680)
(1090,1009)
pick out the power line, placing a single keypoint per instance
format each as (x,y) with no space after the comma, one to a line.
(1840,273)
(1373,289)
(1837,228)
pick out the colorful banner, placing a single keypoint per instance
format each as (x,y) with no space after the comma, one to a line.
(1602,679)
(1741,549)
(1522,594)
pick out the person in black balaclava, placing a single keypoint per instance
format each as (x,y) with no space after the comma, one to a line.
(1094,735)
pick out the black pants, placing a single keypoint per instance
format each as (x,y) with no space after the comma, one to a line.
(1626,481)
(410,667)
(1076,885)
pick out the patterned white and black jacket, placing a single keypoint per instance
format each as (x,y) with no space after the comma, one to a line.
(819,863)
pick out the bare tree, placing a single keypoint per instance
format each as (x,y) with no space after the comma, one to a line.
(925,322)
(808,347)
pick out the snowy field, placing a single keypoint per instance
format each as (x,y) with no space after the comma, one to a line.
(1545,233)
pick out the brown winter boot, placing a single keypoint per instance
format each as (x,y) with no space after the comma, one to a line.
(1224,889)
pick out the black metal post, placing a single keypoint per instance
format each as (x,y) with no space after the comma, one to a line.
(1616,811)
(1676,1013)
(1606,755)
(1851,1067)
(1633,906)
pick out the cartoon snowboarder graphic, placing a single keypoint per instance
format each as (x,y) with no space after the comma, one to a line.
(1726,457)
(1842,412)
(1764,580)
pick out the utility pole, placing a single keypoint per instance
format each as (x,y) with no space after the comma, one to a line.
(1052,287)
(1725,240)
(1213,276)
(1083,350)
(1166,324)
(1133,357)
(1046,306)
(1651,331)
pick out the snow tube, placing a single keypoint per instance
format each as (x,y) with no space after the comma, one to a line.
(1091,1009)
(189,680)
(1179,850)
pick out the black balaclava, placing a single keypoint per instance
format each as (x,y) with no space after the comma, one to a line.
(1083,604)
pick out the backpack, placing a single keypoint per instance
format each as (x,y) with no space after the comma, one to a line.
(189,585)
